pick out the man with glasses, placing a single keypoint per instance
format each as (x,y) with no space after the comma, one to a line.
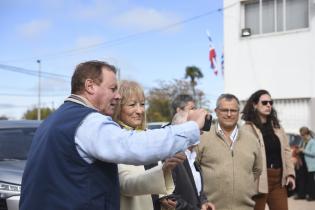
(230,159)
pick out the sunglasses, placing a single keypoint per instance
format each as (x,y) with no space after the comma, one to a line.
(266,102)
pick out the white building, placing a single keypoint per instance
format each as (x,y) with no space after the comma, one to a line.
(278,55)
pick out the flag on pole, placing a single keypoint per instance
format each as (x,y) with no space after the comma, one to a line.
(212,55)
(222,63)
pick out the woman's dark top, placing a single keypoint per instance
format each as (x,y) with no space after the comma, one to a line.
(272,146)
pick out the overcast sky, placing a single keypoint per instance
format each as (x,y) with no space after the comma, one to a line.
(148,40)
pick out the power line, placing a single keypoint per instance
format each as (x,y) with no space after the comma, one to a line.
(34,73)
(21,89)
(11,106)
(31,95)
(122,39)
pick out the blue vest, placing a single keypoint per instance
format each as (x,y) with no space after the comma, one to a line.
(57,178)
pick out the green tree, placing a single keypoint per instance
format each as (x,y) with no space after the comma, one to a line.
(158,110)
(160,98)
(31,114)
(194,73)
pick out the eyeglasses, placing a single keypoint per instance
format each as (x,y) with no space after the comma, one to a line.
(266,102)
(227,111)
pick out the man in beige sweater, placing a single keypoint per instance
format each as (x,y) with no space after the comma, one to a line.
(230,159)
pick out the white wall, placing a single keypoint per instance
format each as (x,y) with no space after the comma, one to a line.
(282,63)
(293,113)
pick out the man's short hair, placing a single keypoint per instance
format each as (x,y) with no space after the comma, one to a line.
(88,70)
(180,102)
(228,97)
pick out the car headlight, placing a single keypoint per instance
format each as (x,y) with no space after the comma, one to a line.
(10,187)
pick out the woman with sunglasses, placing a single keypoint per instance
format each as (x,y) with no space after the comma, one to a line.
(278,171)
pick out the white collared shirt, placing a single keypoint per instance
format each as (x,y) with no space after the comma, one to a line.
(191,157)
(233,135)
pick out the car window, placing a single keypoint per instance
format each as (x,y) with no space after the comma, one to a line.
(15,143)
(154,126)
(294,140)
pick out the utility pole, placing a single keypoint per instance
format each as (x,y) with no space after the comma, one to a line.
(118,73)
(39,75)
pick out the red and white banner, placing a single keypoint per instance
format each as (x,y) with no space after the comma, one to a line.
(212,56)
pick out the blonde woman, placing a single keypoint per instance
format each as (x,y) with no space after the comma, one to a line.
(136,184)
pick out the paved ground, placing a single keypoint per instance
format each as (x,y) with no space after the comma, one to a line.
(300,204)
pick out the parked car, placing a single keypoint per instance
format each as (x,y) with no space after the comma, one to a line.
(155,125)
(15,141)
(294,139)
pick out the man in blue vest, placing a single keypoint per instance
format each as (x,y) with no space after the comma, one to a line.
(72,161)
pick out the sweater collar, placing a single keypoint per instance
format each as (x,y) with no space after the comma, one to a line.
(80,100)
(127,127)
(233,135)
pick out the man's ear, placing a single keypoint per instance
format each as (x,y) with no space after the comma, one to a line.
(89,86)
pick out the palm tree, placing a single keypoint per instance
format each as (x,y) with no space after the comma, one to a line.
(194,73)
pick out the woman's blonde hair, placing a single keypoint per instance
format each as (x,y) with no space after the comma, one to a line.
(128,89)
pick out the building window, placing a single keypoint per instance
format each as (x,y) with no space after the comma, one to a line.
(267,16)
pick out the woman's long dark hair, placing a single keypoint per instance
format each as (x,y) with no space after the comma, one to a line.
(251,114)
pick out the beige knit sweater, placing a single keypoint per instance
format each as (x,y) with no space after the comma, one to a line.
(230,173)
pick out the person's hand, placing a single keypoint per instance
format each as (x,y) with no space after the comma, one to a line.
(208,206)
(170,163)
(197,115)
(168,203)
(290,182)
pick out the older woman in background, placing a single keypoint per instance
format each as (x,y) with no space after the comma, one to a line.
(261,119)
(308,151)
(136,184)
